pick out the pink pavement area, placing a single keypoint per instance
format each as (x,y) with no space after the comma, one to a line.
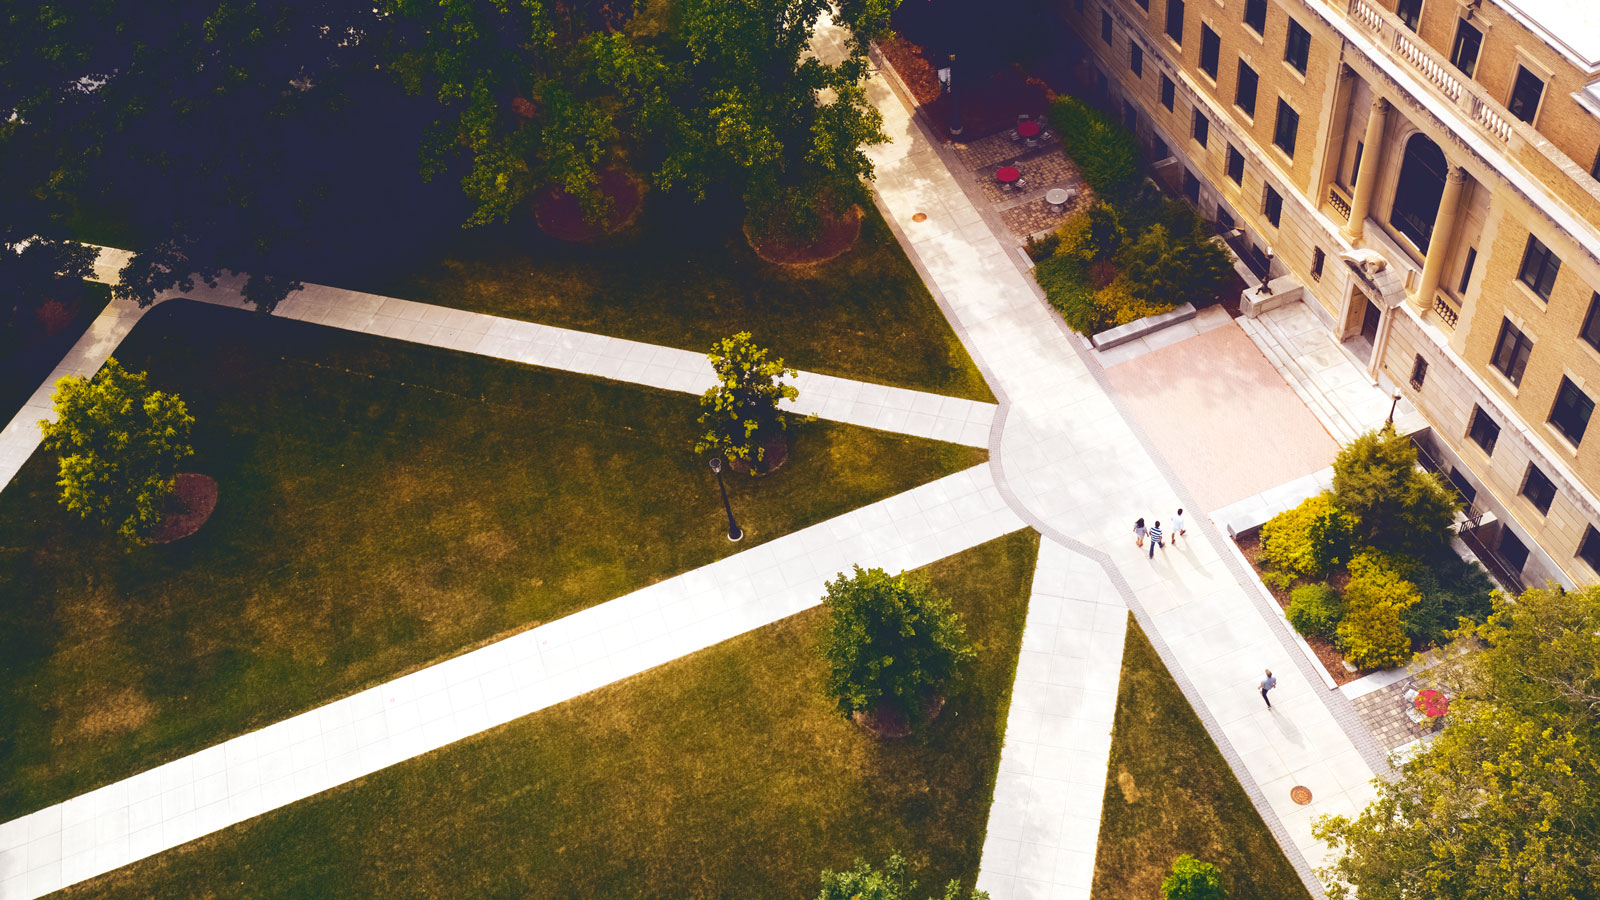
(1222,416)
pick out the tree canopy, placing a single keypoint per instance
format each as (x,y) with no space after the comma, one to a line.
(120,444)
(1505,802)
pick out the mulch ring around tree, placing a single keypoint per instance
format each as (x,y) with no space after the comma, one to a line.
(560,215)
(777,453)
(836,237)
(192,500)
(890,722)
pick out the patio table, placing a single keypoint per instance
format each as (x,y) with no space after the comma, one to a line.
(1008,174)
(1028,129)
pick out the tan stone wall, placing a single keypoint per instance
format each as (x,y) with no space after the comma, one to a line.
(1554,326)
(1506,43)
(1300,231)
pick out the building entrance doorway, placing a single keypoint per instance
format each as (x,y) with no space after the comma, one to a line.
(1370,317)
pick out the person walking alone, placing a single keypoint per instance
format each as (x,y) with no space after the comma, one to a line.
(1139,532)
(1177,528)
(1155,539)
(1267,684)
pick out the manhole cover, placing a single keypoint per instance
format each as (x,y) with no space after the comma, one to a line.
(1300,794)
(920,217)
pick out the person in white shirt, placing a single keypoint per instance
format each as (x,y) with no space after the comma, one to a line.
(1177,529)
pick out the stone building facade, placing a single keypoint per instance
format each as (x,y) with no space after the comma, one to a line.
(1423,173)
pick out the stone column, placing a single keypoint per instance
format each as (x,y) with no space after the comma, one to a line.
(1444,227)
(1371,165)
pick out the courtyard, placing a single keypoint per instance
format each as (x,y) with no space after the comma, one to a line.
(467,619)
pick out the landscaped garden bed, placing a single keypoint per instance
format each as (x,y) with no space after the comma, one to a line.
(726,773)
(1169,792)
(381,505)
(1133,253)
(1365,572)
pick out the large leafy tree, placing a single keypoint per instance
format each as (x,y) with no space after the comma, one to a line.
(1396,505)
(755,110)
(1505,803)
(532,93)
(199,123)
(120,444)
(891,642)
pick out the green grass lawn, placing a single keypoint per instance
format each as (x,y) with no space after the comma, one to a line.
(721,774)
(28,355)
(684,276)
(382,506)
(1169,792)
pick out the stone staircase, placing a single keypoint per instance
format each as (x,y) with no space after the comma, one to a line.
(1279,349)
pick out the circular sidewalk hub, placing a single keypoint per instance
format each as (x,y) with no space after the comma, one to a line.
(1300,794)
(920,217)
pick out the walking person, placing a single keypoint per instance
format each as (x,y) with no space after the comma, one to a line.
(1267,684)
(1177,528)
(1155,539)
(1139,532)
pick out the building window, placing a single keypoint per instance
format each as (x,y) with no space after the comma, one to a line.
(1144,5)
(1466,271)
(1463,487)
(1464,52)
(1355,167)
(1539,490)
(1417,192)
(1210,51)
(1158,149)
(1591,322)
(1525,95)
(1409,12)
(1272,206)
(1105,27)
(1168,92)
(1191,187)
(1175,21)
(1078,6)
(1130,115)
(1102,85)
(1255,15)
(1317,259)
(1235,165)
(1513,552)
(1511,351)
(1201,129)
(1539,268)
(1594,168)
(1589,547)
(1136,59)
(1287,129)
(1570,415)
(1297,47)
(1483,430)
(1244,94)
(1419,369)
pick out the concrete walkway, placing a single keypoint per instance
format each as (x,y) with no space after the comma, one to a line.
(169,805)
(1074,466)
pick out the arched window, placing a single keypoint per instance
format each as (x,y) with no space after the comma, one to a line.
(1416,196)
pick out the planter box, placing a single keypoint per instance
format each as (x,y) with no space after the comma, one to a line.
(1141,327)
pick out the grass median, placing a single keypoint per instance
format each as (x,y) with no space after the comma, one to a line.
(721,774)
(382,506)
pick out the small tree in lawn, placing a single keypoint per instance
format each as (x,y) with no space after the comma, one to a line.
(741,413)
(863,882)
(120,444)
(1193,879)
(891,644)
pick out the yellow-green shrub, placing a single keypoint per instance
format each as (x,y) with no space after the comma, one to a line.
(1372,633)
(1306,541)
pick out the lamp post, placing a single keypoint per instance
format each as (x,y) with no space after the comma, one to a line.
(734,533)
(1389,422)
